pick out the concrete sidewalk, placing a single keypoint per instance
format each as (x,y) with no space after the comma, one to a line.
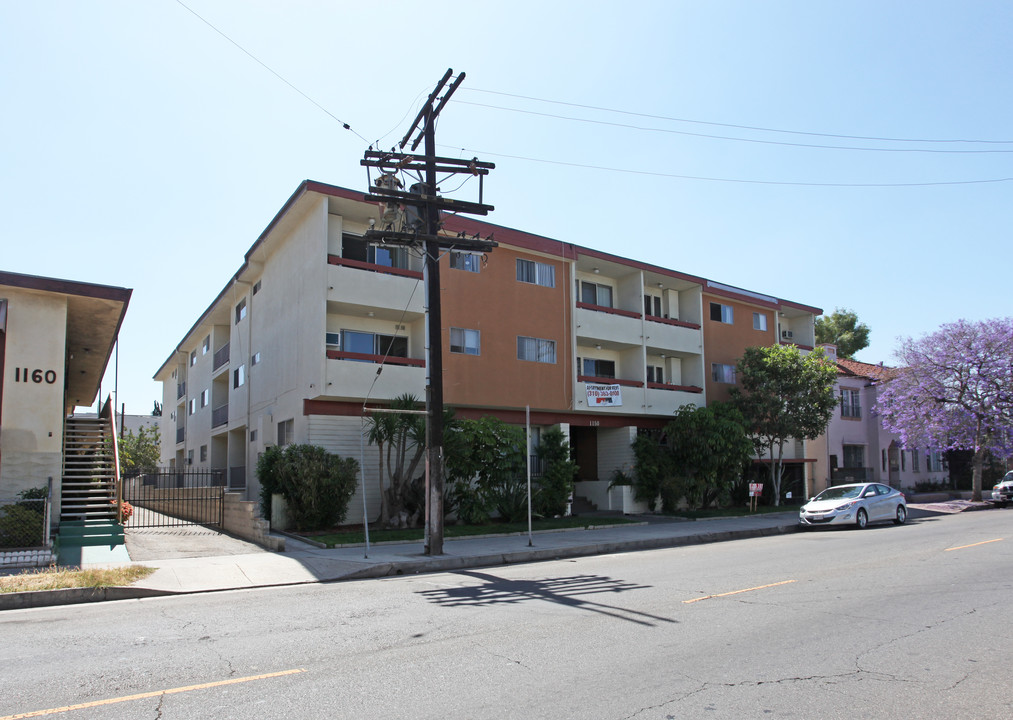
(302,563)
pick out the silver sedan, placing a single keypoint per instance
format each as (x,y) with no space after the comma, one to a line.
(858,504)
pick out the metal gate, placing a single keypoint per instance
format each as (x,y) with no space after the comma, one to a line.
(172,497)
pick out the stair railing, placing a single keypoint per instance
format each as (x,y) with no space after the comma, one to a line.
(109,412)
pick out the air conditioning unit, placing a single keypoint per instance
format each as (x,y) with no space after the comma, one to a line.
(787,334)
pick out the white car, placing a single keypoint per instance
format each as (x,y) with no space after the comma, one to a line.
(858,504)
(1002,491)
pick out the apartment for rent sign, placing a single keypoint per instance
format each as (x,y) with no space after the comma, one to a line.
(604,395)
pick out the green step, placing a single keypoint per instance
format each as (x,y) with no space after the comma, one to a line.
(78,533)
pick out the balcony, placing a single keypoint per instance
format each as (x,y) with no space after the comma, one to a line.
(220,416)
(351,375)
(666,398)
(390,293)
(180,390)
(180,435)
(221,357)
(596,322)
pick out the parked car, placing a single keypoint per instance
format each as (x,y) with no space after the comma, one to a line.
(1002,492)
(857,504)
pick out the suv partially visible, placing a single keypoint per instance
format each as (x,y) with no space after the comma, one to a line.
(1002,492)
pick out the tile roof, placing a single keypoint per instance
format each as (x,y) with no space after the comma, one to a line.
(876,373)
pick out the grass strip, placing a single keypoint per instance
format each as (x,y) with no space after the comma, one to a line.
(55,578)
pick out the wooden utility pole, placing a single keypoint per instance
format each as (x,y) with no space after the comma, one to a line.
(426,235)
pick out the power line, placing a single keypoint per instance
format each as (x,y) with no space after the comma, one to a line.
(733,180)
(732,125)
(727,137)
(253,57)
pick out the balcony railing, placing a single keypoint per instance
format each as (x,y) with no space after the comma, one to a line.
(609,310)
(843,475)
(678,388)
(372,267)
(180,390)
(237,477)
(364,357)
(221,357)
(670,321)
(220,415)
(180,435)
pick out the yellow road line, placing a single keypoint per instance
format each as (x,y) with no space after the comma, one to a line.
(156,693)
(983,542)
(708,597)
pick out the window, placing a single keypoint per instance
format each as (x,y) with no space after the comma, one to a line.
(536,273)
(851,406)
(594,367)
(916,465)
(854,456)
(884,460)
(903,461)
(205,398)
(655,374)
(189,457)
(722,313)
(367,343)
(205,346)
(465,261)
(255,359)
(192,406)
(203,453)
(536,349)
(652,305)
(760,321)
(388,256)
(240,310)
(596,294)
(723,373)
(253,436)
(465,341)
(286,429)
(193,358)
(256,287)
(239,376)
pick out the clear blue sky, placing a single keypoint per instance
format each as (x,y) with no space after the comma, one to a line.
(141,148)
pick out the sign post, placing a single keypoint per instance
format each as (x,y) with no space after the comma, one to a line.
(755,490)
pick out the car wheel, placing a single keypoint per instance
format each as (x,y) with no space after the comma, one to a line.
(901,515)
(861,519)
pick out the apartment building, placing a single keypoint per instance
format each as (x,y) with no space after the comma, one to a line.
(318,323)
(859,449)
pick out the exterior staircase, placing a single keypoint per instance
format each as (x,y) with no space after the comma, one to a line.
(88,515)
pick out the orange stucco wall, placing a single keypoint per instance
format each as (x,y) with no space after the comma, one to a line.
(724,343)
(501,308)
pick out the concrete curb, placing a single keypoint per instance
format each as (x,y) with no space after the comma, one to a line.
(72,596)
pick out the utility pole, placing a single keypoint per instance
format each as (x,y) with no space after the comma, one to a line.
(418,225)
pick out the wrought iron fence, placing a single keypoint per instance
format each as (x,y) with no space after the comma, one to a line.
(173,497)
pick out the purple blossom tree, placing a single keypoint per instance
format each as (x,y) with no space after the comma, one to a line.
(954,391)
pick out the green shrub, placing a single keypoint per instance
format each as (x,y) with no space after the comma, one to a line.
(316,485)
(22,524)
(556,484)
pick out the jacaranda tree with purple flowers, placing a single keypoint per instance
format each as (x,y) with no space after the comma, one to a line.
(954,391)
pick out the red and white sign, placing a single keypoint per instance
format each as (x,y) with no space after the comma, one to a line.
(604,395)
(755,489)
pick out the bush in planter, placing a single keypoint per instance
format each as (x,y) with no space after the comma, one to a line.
(316,485)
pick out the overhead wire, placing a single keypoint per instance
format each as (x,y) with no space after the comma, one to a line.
(733,125)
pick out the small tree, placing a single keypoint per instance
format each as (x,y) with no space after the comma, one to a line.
(784,394)
(400,439)
(141,452)
(316,485)
(653,473)
(556,484)
(955,391)
(709,449)
(842,329)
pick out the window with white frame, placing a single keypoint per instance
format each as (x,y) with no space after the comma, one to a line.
(255,359)
(851,406)
(286,432)
(240,310)
(595,294)
(467,342)
(723,373)
(652,305)
(193,358)
(205,398)
(203,453)
(536,273)
(206,345)
(239,376)
(465,261)
(722,313)
(760,321)
(367,343)
(595,367)
(256,287)
(655,374)
(536,349)
(916,462)
(388,256)
(192,406)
